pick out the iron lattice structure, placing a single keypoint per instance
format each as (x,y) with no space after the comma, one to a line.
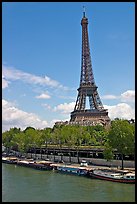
(96,114)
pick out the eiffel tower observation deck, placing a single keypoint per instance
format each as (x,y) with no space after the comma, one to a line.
(95,113)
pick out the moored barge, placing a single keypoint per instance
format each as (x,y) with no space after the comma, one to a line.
(9,160)
(120,177)
(69,169)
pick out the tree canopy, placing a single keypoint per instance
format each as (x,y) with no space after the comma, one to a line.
(120,136)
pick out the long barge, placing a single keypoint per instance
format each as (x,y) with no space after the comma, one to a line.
(121,177)
(70,169)
(40,165)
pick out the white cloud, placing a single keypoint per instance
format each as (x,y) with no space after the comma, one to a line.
(4,83)
(65,108)
(128,96)
(121,110)
(43,96)
(109,97)
(14,117)
(11,73)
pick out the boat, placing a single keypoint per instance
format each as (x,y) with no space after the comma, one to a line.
(40,165)
(22,162)
(43,165)
(72,170)
(82,171)
(9,160)
(121,177)
(66,169)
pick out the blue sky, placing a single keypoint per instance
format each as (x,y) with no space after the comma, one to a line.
(41,58)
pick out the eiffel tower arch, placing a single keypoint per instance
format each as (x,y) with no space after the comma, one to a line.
(95,114)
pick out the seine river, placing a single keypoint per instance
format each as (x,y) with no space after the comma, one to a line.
(22,184)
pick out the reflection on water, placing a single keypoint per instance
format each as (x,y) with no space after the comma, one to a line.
(29,185)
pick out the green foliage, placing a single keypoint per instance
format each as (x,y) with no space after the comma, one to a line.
(29,128)
(8,136)
(68,132)
(46,135)
(100,136)
(98,128)
(20,140)
(121,136)
(108,152)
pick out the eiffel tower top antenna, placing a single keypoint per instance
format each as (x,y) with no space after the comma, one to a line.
(84,11)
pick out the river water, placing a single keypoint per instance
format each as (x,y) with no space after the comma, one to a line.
(22,184)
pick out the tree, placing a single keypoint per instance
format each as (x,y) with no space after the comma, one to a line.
(98,127)
(38,140)
(69,137)
(85,140)
(100,137)
(27,139)
(20,141)
(29,128)
(54,137)
(46,137)
(121,137)
(78,132)
(7,137)
(108,152)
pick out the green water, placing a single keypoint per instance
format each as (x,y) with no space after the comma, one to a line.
(22,184)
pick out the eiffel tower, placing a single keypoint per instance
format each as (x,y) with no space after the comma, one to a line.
(96,114)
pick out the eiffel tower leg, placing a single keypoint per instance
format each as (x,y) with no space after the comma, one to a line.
(83,102)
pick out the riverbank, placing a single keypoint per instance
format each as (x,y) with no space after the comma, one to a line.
(91,161)
(74,160)
(50,164)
